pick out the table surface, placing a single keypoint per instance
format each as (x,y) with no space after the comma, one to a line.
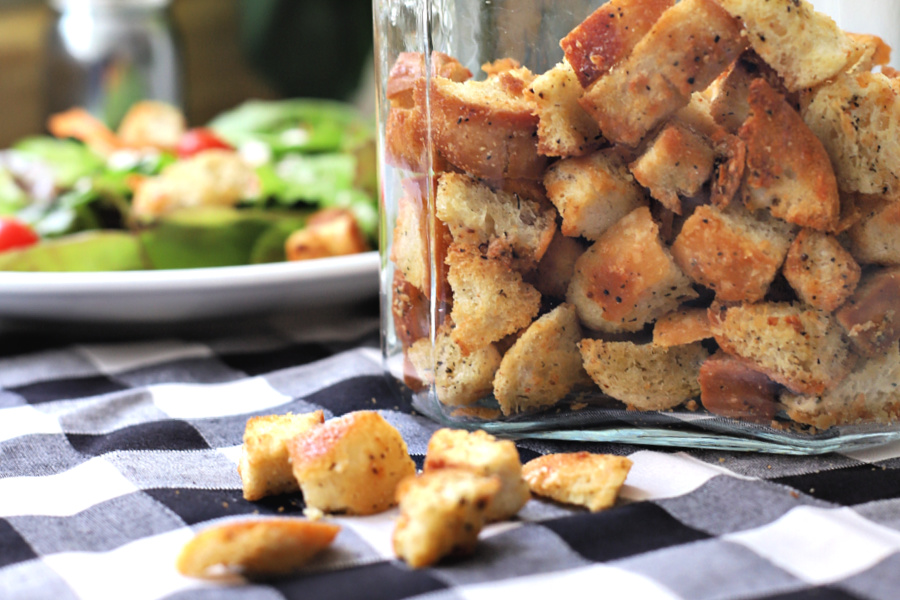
(114,452)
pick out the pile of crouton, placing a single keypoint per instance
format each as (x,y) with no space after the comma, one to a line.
(700,202)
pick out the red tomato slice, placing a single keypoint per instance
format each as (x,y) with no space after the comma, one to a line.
(15,234)
(199,139)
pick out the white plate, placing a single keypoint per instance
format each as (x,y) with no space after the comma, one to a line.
(167,296)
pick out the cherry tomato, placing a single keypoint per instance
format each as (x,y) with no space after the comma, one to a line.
(15,234)
(199,139)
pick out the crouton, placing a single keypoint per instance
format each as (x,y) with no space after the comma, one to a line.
(873,239)
(490,300)
(258,548)
(441,514)
(152,124)
(644,376)
(461,378)
(627,278)
(81,125)
(680,327)
(678,161)
(728,169)
(820,270)
(503,222)
(410,311)
(328,232)
(805,47)
(592,192)
(795,345)
(351,464)
(482,454)
(685,50)
(734,252)
(564,129)
(788,170)
(729,387)
(729,105)
(870,51)
(869,394)
(855,117)
(543,365)
(582,478)
(609,35)
(264,466)
(556,268)
(871,317)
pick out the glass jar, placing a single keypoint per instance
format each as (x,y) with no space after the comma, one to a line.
(104,55)
(649,222)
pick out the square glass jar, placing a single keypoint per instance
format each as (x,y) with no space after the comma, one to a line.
(646,221)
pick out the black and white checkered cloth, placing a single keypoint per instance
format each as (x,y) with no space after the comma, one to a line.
(113,454)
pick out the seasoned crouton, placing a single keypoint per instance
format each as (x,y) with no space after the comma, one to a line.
(805,47)
(351,464)
(855,117)
(868,394)
(583,478)
(788,170)
(678,161)
(265,467)
(627,278)
(461,378)
(644,376)
(592,192)
(870,51)
(410,311)
(482,454)
(685,50)
(255,547)
(680,327)
(820,270)
(503,222)
(441,514)
(798,346)
(729,387)
(556,268)
(543,365)
(609,35)
(734,252)
(564,129)
(152,124)
(871,317)
(328,232)
(490,300)
(728,169)
(729,106)
(874,239)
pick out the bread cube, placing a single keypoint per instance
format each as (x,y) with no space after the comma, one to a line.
(592,192)
(328,232)
(870,316)
(482,454)
(730,106)
(564,129)
(265,467)
(874,239)
(627,278)
(582,478)
(681,327)
(729,387)
(152,124)
(351,464)
(554,272)
(441,514)
(820,270)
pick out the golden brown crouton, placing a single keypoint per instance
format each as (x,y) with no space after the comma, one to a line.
(351,464)
(870,51)
(680,327)
(627,278)
(490,300)
(328,232)
(644,376)
(798,346)
(564,129)
(543,365)
(867,395)
(678,161)
(729,387)
(461,378)
(855,116)
(583,478)
(609,35)
(505,223)
(734,252)
(804,46)
(441,514)
(874,239)
(152,124)
(257,547)
(556,268)
(729,106)
(265,467)
(820,270)
(788,170)
(871,317)
(685,50)
(592,192)
(484,455)
(410,311)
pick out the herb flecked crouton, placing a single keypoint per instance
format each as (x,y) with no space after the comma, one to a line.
(820,270)
(583,478)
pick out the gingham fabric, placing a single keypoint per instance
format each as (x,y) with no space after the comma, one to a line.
(113,454)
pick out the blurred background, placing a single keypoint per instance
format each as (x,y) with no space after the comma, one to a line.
(223,51)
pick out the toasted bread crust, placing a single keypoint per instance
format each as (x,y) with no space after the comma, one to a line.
(820,270)
(583,478)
